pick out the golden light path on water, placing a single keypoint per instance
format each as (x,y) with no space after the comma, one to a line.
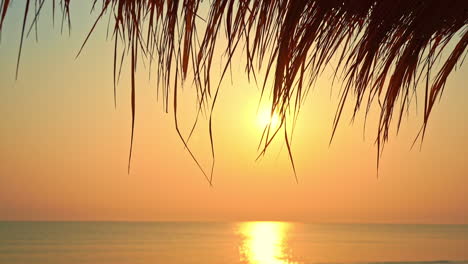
(264,242)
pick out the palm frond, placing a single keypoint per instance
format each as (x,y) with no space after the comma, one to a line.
(382,47)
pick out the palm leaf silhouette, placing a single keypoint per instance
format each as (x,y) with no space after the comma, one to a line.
(384,49)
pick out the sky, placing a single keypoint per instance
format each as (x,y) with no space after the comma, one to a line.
(64,146)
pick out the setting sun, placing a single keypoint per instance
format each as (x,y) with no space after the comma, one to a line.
(265,118)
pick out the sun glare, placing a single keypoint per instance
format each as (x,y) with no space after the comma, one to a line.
(265,118)
(264,242)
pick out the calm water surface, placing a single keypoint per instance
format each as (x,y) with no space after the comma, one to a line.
(246,242)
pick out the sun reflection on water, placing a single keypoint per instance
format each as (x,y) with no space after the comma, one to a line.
(264,243)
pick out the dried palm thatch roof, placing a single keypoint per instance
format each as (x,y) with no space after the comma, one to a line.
(384,48)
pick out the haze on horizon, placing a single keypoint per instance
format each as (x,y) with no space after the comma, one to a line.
(64,147)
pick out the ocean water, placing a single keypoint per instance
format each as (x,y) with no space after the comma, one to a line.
(219,243)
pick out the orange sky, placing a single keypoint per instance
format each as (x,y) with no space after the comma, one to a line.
(63,148)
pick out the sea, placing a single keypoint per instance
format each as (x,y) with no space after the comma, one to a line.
(230,243)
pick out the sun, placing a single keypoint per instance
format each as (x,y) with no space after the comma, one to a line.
(265,118)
